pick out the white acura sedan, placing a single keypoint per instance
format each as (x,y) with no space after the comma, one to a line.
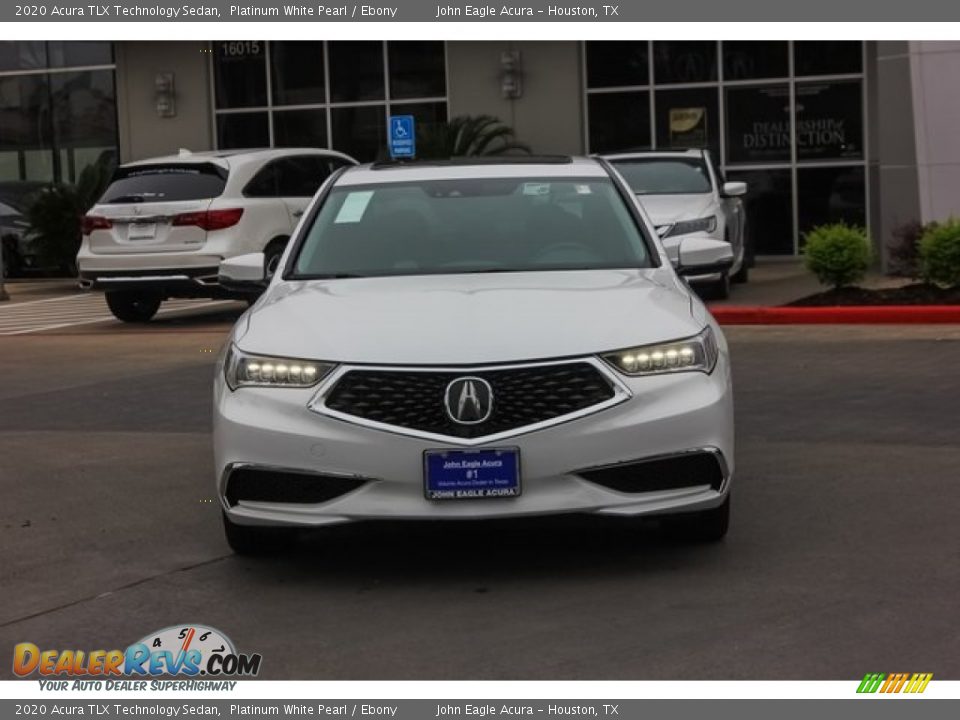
(474,339)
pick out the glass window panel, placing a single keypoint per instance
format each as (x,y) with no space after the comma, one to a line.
(9,165)
(73,53)
(360,132)
(684,61)
(356,71)
(242,130)
(300,128)
(617,64)
(769,205)
(38,165)
(23,55)
(84,116)
(829,120)
(688,118)
(25,113)
(297,73)
(240,73)
(417,69)
(758,124)
(425,114)
(827,57)
(829,195)
(619,121)
(749,60)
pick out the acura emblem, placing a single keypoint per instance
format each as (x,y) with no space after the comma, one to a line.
(469,400)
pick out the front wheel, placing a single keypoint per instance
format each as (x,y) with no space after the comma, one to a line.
(743,274)
(257,539)
(133,306)
(703,526)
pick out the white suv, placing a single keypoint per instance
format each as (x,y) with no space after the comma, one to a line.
(686,195)
(164,225)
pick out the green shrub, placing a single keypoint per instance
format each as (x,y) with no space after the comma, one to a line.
(54,213)
(940,254)
(838,254)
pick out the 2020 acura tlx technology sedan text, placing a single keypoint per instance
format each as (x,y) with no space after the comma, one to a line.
(474,339)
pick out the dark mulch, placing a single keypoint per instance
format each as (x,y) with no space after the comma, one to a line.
(916,294)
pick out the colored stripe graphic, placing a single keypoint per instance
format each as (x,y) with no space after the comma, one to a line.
(871,682)
(891,683)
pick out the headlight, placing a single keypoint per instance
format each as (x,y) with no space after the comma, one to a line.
(244,370)
(696,353)
(688,227)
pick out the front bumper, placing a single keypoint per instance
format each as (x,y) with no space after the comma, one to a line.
(666,415)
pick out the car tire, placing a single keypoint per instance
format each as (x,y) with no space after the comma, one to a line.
(743,274)
(703,526)
(133,306)
(257,539)
(11,261)
(271,257)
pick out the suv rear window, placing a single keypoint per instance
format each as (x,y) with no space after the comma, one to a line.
(165,183)
(665,176)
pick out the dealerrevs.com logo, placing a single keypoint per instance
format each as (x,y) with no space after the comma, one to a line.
(179,650)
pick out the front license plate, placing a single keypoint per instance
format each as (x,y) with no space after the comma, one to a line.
(464,474)
(142,231)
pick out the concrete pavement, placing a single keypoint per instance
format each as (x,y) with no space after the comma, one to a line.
(842,556)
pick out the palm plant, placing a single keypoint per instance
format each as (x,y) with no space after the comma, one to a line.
(467,135)
(55,212)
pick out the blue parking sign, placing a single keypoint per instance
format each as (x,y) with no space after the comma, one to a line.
(403,139)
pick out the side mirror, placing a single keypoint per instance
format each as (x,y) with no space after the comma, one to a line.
(703,256)
(244,274)
(733,189)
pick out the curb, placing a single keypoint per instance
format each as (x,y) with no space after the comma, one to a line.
(838,315)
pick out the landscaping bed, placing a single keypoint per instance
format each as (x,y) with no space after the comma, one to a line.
(914,294)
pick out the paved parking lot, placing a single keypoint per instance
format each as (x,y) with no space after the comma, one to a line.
(843,558)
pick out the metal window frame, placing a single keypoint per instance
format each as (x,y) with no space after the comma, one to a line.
(794,164)
(60,173)
(270,108)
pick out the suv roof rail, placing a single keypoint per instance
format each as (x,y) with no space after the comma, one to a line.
(476,160)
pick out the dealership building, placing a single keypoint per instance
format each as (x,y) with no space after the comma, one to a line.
(864,132)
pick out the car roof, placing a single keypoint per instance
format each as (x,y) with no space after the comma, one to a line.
(647,154)
(554,166)
(234,158)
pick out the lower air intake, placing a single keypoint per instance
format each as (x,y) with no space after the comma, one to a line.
(278,486)
(675,472)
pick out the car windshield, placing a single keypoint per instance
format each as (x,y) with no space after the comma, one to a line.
(165,182)
(665,176)
(471,225)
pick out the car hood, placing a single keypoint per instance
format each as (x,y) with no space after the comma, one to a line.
(467,319)
(666,209)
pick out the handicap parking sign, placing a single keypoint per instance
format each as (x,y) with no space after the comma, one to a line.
(403,141)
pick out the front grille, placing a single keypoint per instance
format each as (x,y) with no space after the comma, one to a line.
(668,473)
(278,486)
(521,396)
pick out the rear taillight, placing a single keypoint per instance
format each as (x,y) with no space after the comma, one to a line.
(89,223)
(209,219)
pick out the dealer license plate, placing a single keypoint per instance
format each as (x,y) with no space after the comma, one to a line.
(464,474)
(142,231)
